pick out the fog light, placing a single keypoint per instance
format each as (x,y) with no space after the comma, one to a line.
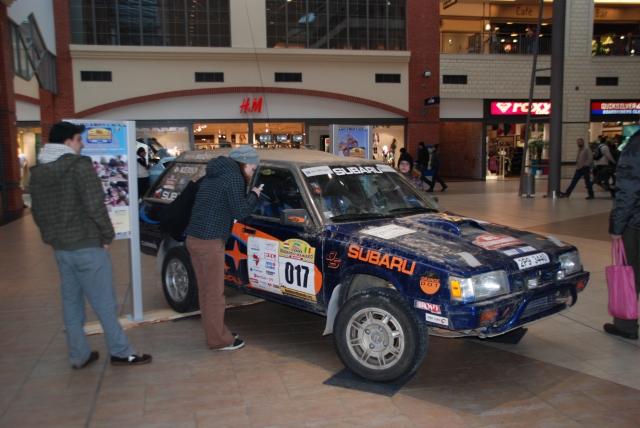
(580,286)
(560,275)
(488,316)
(532,282)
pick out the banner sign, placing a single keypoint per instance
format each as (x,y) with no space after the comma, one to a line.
(106,144)
(503,108)
(352,141)
(615,107)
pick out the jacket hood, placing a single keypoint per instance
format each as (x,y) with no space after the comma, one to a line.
(220,166)
(52,152)
(452,242)
(53,171)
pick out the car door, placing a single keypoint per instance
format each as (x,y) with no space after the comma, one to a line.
(282,264)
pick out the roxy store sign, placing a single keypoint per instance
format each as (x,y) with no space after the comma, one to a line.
(539,108)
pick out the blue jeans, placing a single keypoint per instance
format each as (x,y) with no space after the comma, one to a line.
(580,173)
(88,272)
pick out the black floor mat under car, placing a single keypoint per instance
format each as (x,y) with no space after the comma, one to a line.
(346,379)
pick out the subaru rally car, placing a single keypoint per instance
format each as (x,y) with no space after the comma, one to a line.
(353,240)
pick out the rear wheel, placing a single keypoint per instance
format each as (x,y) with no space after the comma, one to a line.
(179,281)
(378,337)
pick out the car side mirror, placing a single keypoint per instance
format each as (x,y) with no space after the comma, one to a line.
(294,217)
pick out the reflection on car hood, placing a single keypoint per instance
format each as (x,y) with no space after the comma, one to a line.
(457,244)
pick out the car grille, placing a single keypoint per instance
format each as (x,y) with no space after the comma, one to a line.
(545,277)
(544,303)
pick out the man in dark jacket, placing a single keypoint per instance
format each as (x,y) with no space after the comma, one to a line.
(221,200)
(68,207)
(423,157)
(436,159)
(625,221)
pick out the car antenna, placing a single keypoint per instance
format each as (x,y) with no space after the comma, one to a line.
(255,52)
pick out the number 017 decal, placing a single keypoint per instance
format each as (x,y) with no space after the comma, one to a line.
(296,269)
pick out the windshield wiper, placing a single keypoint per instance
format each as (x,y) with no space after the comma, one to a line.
(414,209)
(361,216)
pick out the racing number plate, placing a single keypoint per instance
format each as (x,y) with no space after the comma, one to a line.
(532,260)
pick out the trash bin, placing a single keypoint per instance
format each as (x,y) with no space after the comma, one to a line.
(527,184)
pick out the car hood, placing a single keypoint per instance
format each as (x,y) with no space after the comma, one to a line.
(458,244)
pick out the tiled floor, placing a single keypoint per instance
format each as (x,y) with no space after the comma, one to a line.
(565,372)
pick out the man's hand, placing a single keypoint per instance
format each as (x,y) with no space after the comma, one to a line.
(105,247)
(614,237)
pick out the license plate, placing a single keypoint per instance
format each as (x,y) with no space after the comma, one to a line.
(531,261)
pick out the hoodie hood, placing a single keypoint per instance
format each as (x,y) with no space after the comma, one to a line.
(222,165)
(52,152)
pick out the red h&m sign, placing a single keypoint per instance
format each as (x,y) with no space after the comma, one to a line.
(500,108)
(248,107)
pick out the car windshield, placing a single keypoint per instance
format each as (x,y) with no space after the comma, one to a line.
(352,193)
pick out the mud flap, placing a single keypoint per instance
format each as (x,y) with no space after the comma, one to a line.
(332,310)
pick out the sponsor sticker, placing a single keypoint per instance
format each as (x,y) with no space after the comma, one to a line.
(521,250)
(493,242)
(429,285)
(356,170)
(388,232)
(385,168)
(437,320)
(425,306)
(316,170)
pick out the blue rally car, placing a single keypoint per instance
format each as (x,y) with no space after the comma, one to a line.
(355,241)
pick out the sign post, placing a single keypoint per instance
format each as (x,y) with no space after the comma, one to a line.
(111,145)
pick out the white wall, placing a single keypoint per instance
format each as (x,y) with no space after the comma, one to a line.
(43,11)
(27,112)
(227,107)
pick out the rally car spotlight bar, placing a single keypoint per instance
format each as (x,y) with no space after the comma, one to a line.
(477,287)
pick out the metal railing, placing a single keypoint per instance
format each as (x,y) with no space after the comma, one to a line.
(493,43)
(615,45)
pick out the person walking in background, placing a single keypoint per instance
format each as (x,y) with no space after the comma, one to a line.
(68,207)
(423,158)
(436,160)
(602,161)
(221,199)
(583,165)
(625,221)
(143,172)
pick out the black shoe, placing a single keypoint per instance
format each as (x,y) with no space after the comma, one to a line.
(611,329)
(234,335)
(92,357)
(237,344)
(131,360)
(429,190)
(589,197)
(444,188)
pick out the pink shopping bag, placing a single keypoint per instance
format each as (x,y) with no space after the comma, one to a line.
(623,300)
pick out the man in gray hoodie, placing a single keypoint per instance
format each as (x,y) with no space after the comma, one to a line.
(68,207)
(583,167)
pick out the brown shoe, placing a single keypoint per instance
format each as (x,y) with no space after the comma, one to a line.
(589,197)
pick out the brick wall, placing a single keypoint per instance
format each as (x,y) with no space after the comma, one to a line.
(423,35)
(461,149)
(8,119)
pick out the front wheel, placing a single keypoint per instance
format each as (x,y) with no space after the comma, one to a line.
(179,281)
(378,337)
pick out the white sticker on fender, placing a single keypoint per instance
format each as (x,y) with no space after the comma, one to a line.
(532,260)
(389,231)
(436,319)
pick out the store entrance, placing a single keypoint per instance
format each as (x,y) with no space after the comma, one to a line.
(505,150)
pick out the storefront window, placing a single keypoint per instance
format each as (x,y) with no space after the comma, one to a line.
(336,24)
(150,22)
(172,139)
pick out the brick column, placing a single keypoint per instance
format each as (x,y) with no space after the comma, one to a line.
(8,118)
(423,40)
(62,104)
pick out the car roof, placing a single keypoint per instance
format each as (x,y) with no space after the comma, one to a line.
(295,156)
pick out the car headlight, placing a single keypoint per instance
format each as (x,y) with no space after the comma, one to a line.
(571,262)
(479,286)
